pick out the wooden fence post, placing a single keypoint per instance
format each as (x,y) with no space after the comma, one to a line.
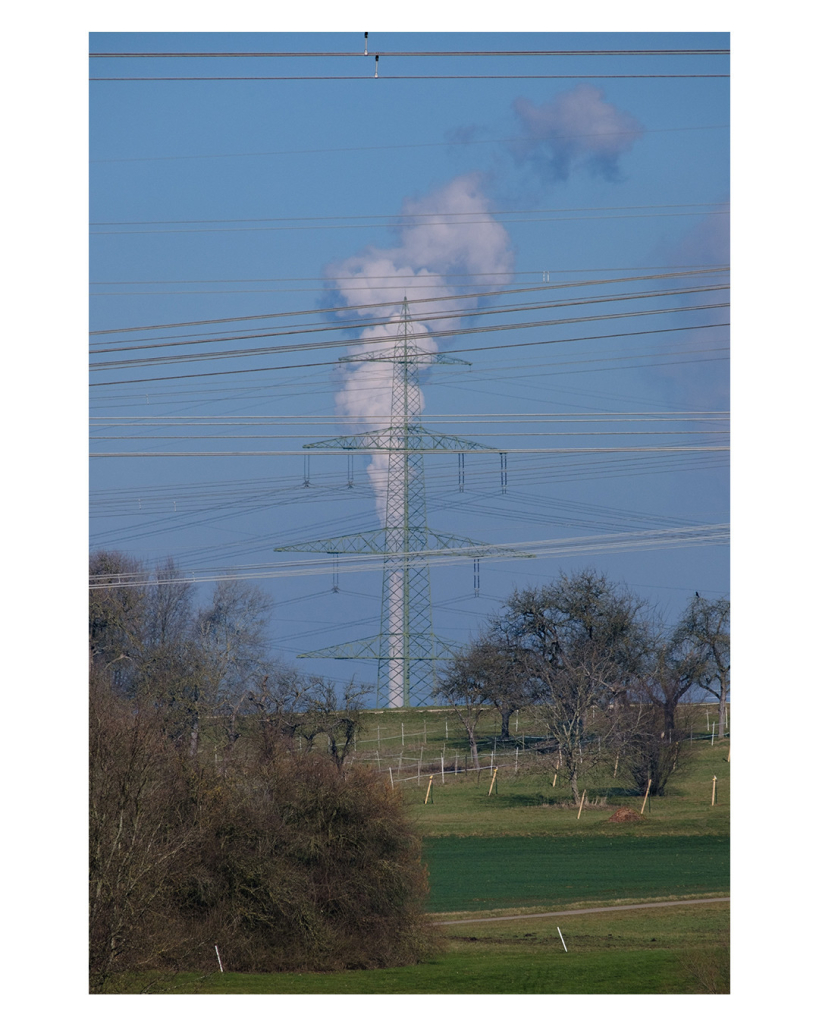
(648,787)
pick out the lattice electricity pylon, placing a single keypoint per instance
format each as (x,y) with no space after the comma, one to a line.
(407,649)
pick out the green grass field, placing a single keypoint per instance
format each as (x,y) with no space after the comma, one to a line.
(662,951)
(524,849)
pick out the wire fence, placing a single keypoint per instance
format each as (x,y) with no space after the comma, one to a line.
(528,750)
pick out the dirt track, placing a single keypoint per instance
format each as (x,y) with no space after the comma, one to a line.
(588,910)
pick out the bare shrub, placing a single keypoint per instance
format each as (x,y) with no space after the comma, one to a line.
(281,859)
(652,753)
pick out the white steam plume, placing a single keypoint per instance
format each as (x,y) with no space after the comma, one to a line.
(433,246)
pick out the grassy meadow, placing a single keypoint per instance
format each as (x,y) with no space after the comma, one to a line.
(680,950)
(523,849)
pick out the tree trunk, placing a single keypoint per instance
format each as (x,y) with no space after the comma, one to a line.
(473,744)
(723,706)
(505,716)
(669,713)
(575,788)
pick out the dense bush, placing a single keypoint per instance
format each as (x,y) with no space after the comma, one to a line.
(651,754)
(279,858)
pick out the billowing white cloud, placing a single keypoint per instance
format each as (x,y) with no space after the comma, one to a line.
(447,232)
(576,129)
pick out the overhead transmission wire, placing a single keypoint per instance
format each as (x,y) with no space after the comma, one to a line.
(294,492)
(197,395)
(424,54)
(387,146)
(548,370)
(388,78)
(411,218)
(215,495)
(626,468)
(495,433)
(663,52)
(543,510)
(278,453)
(405,222)
(547,510)
(485,419)
(568,320)
(321,328)
(523,289)
(674,537)
(408,278)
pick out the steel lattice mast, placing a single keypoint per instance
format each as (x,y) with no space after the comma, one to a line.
(406,648)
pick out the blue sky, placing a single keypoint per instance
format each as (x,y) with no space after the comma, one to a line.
(223,200)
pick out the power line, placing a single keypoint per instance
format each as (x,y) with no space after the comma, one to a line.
(484,348)
(487,418)
(388,78)
(386,146)
(667,449)
(429,53)
(412,217)
(380,305)
(404,221)
(452,278)
(640,540)
(320,327)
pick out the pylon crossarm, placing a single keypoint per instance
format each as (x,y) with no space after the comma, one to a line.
(370,542)
(371,439)
(363,649)
(430,441)
(418,357)
(470,548)
(368,649)
(374,542)
(413,439)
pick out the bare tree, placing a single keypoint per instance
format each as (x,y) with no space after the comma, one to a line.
(582,642)
(674,669)
(141,826)
(506,675)
(466,688)
(706,626)
(116,615)
(155,645)
(232,652)
(279,702)
(339,719)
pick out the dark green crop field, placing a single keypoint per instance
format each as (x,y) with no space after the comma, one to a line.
(473,873)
